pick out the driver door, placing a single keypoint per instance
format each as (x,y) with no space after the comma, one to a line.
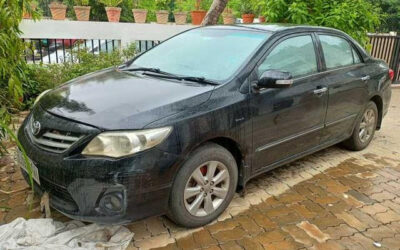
(289,121)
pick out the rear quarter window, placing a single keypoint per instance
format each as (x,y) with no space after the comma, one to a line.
(337,52)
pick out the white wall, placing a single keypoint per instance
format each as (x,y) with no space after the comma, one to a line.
(126,32)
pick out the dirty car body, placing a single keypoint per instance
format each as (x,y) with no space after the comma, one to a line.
(262,128)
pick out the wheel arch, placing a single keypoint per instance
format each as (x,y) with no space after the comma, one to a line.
(379,104)
(235,149)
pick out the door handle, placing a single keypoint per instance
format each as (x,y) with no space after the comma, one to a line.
(320,91)
(365,78)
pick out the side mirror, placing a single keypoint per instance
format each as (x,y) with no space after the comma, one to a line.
(275,79)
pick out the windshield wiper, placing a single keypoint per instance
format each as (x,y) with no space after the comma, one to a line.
(153,70)
(186,78)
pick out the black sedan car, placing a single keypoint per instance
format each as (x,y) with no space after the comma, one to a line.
(182,127)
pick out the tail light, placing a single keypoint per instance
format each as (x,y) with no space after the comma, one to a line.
(391,74)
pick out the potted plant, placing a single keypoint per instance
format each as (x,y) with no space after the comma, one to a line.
(180,15)
(82,10)
(112,9)
(260,5)
(140,15)
(228,16)
(58,10)
(28,14)
(198,14)
(247,12)
(162,11)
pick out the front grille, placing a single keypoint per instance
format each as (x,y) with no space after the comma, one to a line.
(53,140)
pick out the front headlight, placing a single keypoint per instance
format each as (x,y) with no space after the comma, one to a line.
(117,144)
(40,96)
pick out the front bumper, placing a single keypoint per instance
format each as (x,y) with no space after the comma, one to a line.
(84,187)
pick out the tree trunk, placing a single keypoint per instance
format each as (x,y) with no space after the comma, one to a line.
(217,7)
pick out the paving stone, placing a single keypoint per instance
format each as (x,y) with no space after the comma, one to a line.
(299,235)
(349,243)
(374,209)
(392,243)
(361,197)
(362,240)
(204,239)
(291,198)
(313,231)
(352,221)
(187,243)
(302,210)
(395,226)
(365,218)
(287,245)
(229,235)
(327,220)
(248,243)
(222,226)
(340,231)
(268,237)
(387,217)
(378,233)
(262,220)
(139,229)
(329,245)
(155,226)
(231,245)
(159,241)
(249,225)
(385,195)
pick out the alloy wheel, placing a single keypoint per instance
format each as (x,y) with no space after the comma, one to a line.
(206,188)
(367,125)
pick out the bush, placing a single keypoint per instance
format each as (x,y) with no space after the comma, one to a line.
(43,77)
(355,17)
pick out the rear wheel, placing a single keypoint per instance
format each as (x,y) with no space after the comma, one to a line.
(204,186)
(364,130)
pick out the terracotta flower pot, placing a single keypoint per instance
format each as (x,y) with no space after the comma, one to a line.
(248,18)
(198,16)
(162,16)
(113,14)
(261,19)
(82,13)
(139,15)
(27,15)
(229,19)
(58,11)
(180,17)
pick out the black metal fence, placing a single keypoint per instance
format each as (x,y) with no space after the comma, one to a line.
(387,48)
(49,51)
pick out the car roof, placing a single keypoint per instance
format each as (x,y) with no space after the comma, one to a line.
(287,28)
(275,27)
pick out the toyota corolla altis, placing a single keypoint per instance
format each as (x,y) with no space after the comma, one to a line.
(180,128)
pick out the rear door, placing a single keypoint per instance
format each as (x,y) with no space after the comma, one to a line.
(287,122)
(346,79)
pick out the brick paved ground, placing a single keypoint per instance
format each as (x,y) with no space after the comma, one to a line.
(334,199)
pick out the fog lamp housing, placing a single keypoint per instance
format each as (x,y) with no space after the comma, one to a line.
(112,203)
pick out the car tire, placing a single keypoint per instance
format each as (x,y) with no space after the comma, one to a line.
(197,200)
(364,130)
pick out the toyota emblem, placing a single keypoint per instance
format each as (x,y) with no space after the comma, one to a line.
(36,128)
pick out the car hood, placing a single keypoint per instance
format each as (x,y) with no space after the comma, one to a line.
(111,99)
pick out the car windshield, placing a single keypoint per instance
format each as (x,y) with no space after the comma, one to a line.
(214,54)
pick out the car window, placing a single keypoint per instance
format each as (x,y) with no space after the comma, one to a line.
(337,51)
(295,55)
(356,57)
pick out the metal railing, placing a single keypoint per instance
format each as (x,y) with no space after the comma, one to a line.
(48,51)
(387,48)
(64,50)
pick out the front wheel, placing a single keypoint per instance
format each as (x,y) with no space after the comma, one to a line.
(204,186)
(364,130)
